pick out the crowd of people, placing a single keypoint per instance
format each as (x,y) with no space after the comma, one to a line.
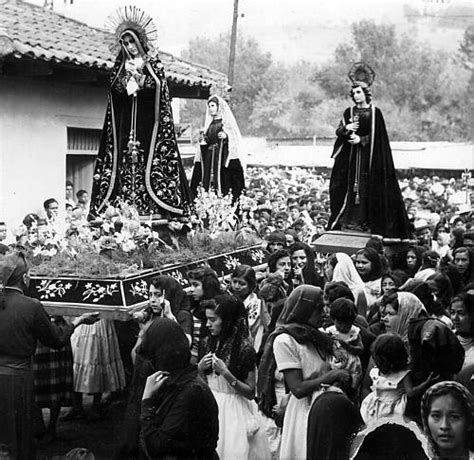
(317,356)
(289,362)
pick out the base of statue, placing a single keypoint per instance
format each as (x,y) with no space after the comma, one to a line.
(350,242)
(117,296)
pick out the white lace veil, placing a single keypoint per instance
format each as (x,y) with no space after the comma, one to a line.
(230,127)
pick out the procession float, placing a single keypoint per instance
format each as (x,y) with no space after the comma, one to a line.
(107,265)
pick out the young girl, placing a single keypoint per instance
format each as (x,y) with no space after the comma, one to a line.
(447,412)
(205,285)
(228,363)
(243,284)
(391,381)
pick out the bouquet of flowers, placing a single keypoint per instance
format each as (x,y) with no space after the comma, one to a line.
(215,213)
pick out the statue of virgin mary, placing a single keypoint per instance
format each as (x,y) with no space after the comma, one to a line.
(138,160)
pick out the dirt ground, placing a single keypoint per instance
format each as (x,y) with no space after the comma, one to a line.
(99,436)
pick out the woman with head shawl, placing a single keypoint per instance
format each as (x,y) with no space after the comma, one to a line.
(23,322)
(340,267)
(167,300)
(302,352)
(228,363)
(369,266)
(179,415)
(390,282)
(396,311)
(447,412)
(138,160)
(218,163)
(435,352)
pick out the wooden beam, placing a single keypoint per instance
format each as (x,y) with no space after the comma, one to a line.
(187,92)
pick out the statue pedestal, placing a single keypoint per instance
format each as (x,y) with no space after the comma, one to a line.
(341,241)
(350,242)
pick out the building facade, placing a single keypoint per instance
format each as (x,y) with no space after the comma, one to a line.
(54,75)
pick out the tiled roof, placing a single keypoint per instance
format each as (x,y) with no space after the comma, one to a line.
(38,33)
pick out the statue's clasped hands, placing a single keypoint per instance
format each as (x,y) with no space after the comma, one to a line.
(221,135)
(131,67)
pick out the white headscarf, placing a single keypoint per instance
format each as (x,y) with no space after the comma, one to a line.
(230,127)
(409,307)
(345,271)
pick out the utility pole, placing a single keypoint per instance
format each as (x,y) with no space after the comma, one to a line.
(233,43)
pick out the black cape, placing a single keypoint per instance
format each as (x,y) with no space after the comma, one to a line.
(211,171)
(158,187)
(386,213)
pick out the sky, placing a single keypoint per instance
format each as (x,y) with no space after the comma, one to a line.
(291,30)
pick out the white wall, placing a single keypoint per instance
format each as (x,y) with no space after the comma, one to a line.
(34,116)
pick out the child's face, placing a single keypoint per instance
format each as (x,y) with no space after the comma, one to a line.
(387,285)
(342,326)
(240,287)
(197,292)
(448,425)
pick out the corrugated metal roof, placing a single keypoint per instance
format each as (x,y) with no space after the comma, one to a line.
(42,34)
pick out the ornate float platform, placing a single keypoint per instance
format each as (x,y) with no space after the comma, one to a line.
(350,242)
(117,297)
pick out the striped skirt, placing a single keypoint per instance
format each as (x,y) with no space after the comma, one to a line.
(98,366)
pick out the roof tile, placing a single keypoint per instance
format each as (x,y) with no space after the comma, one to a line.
(46,35)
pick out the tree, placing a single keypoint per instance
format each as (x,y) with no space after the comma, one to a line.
(466,48)
(466,53)
(251,65)
(415,80)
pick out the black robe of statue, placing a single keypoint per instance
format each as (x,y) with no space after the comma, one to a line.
(211,171)
(158,187)
(373,202)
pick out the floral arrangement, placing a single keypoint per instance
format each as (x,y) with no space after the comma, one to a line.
(215,212)
(119,244)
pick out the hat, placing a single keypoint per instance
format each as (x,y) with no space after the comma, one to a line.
(420,224)
(464,209)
